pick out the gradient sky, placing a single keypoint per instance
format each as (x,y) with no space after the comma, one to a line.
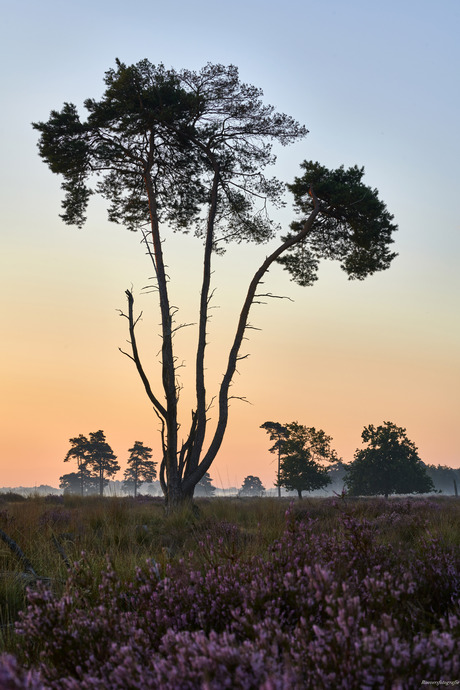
(377,85)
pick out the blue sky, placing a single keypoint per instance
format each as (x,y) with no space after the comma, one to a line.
(377,85)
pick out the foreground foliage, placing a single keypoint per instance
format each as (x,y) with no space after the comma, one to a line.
(361,594)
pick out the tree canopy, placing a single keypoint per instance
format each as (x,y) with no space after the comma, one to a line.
(388,465)
(181,150)
(303,449)
(141,468)
(252,486)
(205,486)
(95,458)
(83,482)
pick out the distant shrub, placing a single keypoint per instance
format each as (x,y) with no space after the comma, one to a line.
(12,497)
(54,499)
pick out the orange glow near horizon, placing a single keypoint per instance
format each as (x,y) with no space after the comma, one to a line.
(322,361)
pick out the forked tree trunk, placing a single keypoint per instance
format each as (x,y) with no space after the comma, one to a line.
(181,470)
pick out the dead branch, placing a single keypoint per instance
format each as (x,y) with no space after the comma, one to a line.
(271,296)
(14,548)
(158,407)
(61,552)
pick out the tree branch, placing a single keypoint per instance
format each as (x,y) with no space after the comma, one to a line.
(242,325)
(159,408)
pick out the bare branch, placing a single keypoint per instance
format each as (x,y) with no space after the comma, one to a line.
(241,398)
(14,548)
(127,354)
(271,296)
(61,552)
(182,325)
(241,328)
(135,357)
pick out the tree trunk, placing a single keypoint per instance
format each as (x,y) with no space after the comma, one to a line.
(299,491)
(181,470)
(176,497)
(234,356)
(279,471)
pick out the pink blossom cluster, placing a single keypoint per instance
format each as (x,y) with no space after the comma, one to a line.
(322,610)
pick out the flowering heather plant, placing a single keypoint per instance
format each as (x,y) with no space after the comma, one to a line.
(55,517)
(13,677)
(322,610)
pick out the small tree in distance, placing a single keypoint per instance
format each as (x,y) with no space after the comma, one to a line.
(252,486)
(83,482)
(303,450)
(389,465)
(95,458)
(205,487)
(78,452)
(141,468)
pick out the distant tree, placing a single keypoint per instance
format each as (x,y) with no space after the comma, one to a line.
(252,486)
(336,472)
(141,468)
(303,450)
(205,487)
(94,455)
(180,149)
(79,452)
(277,433)
(444,478)
(75,482)
(101,458)
(389,465)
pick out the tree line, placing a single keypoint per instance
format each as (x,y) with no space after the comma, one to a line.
(96,463)
(388,464)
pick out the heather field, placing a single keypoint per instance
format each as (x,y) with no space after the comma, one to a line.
(254,593)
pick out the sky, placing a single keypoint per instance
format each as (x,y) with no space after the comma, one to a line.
(377,85)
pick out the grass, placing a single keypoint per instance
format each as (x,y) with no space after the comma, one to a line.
(131,531)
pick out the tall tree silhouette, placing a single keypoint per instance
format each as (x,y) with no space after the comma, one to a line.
(175,149)
(141,468)
(94,455)
(79,452)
